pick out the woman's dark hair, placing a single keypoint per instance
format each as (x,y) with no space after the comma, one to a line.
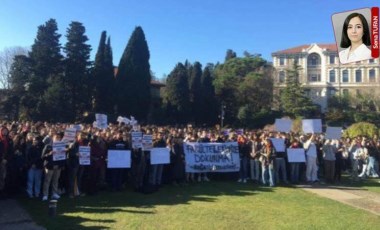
(345,41)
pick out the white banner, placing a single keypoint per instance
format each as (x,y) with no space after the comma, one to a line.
(136,140)
(147,142)
(312,126)
(59,151)
(283,125)
(296,155)
(159,156)
(279,144)
(70,134)
(334,133)
(119,159)
(84,155)
(101,121)
(212,157)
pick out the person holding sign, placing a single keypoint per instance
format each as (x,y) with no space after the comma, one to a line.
(311,160)
(295,166)
(156,170)
(52,169)
(117,173)
(98,155)
(268,157)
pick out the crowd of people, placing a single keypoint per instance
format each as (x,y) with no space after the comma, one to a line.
(27,165)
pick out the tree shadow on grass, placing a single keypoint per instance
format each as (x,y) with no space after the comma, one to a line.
(73,213)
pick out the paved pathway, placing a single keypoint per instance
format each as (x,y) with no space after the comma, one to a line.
(13,217)
(353,196)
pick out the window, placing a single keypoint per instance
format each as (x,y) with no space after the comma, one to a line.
(313,60)
(282,61)
(332,59)
(314,77)
(281,77)
(332,92)
(332,76)
(371,60)
(372,75)
(296,60)
(358,75)
(345,92)
(345,76)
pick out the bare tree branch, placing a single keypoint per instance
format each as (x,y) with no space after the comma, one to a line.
(6,60)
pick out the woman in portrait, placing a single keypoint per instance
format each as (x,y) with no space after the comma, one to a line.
(355,39)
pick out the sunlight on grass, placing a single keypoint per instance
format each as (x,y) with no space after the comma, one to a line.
(216,205)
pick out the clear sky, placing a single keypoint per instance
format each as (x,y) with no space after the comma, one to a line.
(197,30)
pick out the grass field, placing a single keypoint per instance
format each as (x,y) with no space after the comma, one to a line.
(212,205)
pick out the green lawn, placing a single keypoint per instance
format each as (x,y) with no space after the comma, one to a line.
(369,184)
(213,205)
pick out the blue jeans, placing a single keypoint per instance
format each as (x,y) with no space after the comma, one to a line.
(255,169)
(294,174)
(268,171)
(371,170)
(34,182)
(156,174)
(281,165)
(243,168)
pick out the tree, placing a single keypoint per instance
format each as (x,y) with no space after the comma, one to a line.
(6,60)
(133,77)
(104,78)
(76,69)
(229,55)
(208,103)
(294,102)
(46,62)
(176,97)
(195,91)
(236,82)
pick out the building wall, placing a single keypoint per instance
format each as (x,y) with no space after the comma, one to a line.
(321,87)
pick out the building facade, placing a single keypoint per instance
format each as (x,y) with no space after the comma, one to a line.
(322,75)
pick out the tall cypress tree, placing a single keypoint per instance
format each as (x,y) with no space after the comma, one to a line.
(47,66)
(103,77)
(195,91)
(133,77)
(76,69)
(177,95)
(208,102)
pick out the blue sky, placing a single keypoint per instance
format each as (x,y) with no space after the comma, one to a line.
(197,30)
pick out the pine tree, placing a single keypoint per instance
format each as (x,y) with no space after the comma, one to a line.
(177,95)
(76,70)
(133,77)
(47,65)
(294,102)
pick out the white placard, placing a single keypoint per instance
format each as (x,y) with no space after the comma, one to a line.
(283,125)
(147,142)
(101,121)
(70,134)
(84,155)
(312,126)
(59,151)
(334,133)
(119,159)
(279,144)
(159,156)
(123,119)
(136,140)
(296,155)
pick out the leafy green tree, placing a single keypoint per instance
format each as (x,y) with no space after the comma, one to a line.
(103,76)
(361,129)
(176,99)
(77,64)
(229,55)
(133,77)
(294,102)
(237,81)
(46,59)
